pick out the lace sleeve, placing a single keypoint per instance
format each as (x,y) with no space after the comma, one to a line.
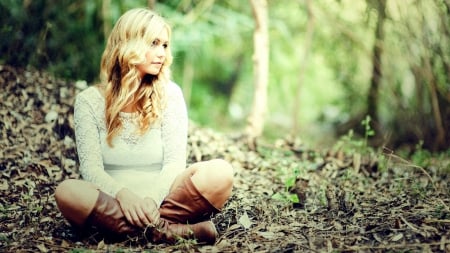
(89,148)
(174,137)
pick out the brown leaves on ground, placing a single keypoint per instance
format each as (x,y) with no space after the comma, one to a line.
(349,201)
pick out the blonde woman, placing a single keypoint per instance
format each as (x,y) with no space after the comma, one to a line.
(131,135)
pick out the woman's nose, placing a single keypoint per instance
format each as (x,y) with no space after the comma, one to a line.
(161,52)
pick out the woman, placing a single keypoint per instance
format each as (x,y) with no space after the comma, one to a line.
(131,134)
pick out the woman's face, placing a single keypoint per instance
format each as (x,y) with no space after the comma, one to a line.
(155,56)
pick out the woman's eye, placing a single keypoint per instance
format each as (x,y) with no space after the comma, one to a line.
(156,43)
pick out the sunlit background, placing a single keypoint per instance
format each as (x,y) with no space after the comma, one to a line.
(322,58)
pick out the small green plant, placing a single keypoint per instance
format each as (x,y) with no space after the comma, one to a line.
(384,162)
(289,183)
(421,157)
(348,174)
(321,195)
(185,245)
(350,144)
(418,190)
(440,212)
(368,131)
(82,250)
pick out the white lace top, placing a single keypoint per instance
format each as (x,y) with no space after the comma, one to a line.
(146,164)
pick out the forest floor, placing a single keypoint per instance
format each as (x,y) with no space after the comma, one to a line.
(351,198)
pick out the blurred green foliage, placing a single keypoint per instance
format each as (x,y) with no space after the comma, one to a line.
(212,46)
(59,36)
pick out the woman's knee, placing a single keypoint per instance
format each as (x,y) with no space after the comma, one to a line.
(67,191)
(76,199)
(222,169)
(218,173)
(64,190)
(214,179)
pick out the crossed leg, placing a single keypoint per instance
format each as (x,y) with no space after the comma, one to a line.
(213,179)
(76,199)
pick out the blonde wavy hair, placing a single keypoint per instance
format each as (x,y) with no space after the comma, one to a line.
(126,47)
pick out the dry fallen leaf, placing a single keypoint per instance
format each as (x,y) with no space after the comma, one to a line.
(245,221)
(267,235)
(42,247)
(397,237)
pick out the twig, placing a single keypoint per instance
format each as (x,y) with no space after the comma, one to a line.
(409,224)
(436,221)
(445,205)
(409,164)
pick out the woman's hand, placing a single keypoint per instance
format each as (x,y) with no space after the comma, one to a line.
(138,211)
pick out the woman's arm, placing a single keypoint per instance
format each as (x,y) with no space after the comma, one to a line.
(89,148)
(174,137)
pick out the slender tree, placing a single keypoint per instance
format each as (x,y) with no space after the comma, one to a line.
(255,124)
(372,100)
(106,15)
(151,4)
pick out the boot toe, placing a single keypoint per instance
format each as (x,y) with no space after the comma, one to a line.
(206,232)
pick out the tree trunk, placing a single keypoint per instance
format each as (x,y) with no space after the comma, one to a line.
(303,65)
(372,100)
(255,124)
(106,15)
(440,137)
(151,4)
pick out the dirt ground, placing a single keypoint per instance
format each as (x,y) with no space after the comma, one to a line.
(351,198)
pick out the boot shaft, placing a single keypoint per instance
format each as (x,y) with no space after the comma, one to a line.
(186,204)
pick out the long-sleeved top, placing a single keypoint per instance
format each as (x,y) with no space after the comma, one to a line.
(146,164)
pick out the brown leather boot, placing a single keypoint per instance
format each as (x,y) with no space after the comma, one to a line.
(202,232)
(183,215)
(108,217)
(185,204)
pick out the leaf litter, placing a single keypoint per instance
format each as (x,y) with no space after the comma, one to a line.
(348,201)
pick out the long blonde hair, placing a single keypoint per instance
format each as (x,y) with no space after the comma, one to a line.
(127,44)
